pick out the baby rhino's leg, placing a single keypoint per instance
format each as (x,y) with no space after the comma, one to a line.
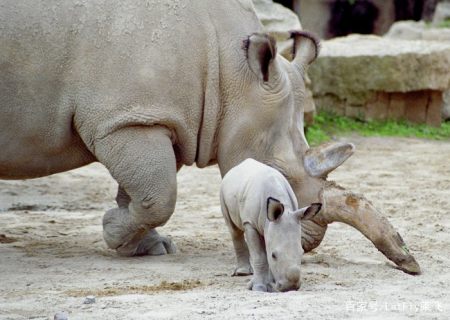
(261,280)
(243,267)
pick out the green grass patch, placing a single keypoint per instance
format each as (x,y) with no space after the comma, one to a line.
(444,24)
(327,125)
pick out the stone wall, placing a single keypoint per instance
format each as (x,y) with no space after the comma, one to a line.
(369,77)
(424,106)
(419,30)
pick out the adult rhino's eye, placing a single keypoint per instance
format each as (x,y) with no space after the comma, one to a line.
(274,256)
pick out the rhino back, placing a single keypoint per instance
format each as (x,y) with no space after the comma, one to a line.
(74,71)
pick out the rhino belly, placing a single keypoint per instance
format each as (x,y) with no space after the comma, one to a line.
(37,135)
(28,154)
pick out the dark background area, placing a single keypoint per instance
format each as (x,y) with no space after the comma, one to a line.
(360,16)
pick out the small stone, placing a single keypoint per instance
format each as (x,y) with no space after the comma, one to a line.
(61,315)
(89,300)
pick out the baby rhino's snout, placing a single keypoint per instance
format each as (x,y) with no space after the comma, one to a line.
(292,281)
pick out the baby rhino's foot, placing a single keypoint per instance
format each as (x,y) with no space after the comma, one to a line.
(258,286)
(242,271)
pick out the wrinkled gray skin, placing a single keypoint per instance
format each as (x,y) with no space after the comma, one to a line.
(262,214)
(145,87)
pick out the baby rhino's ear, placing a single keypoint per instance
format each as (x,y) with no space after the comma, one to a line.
(274,209)
(308,213)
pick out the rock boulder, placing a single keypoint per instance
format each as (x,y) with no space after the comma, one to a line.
(367,76)
(417,30)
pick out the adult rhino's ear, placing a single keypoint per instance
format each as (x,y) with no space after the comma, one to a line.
(308,213)
(260,50)
(306,48)
(274,209)
(320,161)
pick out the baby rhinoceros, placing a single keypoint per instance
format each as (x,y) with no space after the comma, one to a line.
(262,214)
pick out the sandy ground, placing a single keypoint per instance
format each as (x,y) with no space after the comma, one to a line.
(52,254)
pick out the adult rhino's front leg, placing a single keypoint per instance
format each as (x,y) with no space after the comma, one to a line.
(142,161)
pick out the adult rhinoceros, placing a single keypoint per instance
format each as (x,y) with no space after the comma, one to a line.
(147,86)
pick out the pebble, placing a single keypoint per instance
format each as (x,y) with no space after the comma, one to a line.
(62,315)
(89,300)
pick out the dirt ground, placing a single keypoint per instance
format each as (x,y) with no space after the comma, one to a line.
(52,253)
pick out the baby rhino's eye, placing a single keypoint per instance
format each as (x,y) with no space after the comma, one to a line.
(274,256)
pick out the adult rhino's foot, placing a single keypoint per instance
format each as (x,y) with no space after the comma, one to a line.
(130,239)
(155,245)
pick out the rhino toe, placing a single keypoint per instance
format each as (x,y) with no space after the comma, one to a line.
(261,287)
(155,245)
(242,271)
(169,245)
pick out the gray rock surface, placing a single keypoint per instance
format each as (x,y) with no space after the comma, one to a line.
(442,12)
(417,30)
(446,107)
(356,66)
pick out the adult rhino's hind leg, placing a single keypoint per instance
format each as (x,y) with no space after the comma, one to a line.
(142,161)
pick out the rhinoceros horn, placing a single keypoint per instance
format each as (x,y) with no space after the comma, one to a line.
(340,205)
(318,162)
(355,210)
